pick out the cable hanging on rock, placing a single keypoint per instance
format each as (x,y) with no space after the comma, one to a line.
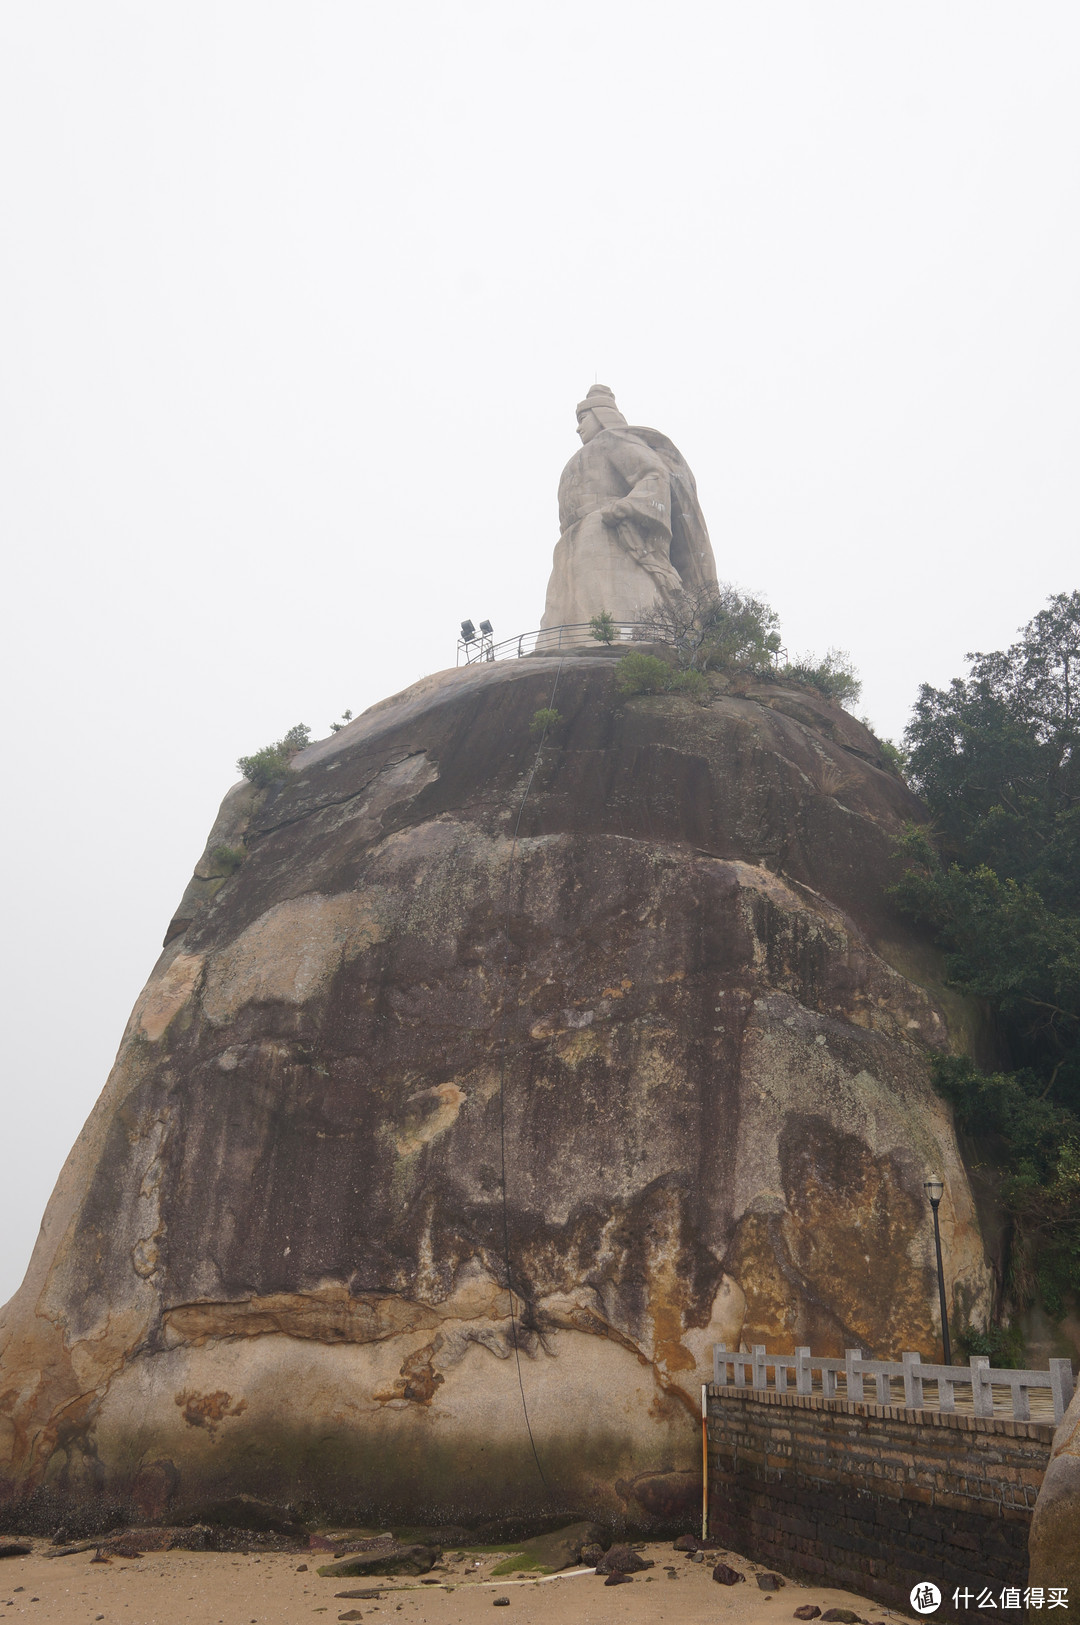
(503,1070)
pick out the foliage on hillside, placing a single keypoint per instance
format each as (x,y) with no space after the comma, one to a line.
(271,763)
(722,629)
(834,676)
(714,629)
(639,673)
(996,756)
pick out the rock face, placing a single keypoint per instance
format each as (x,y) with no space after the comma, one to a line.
(1054,1542)
(676,1011)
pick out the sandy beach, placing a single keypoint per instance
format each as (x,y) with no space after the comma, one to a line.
(210,1588)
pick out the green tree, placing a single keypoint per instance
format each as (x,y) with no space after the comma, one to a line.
(544,720)
(602,627)
(714,628)
(996,756)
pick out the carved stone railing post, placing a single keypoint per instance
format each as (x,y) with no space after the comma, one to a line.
(913,1395)
(946,1390)
(1021,1402)
(853,1379)
(1061,1387)
(982,1395)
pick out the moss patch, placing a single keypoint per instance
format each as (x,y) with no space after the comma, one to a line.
(520,1564)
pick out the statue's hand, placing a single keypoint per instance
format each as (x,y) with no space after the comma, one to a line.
(614,515)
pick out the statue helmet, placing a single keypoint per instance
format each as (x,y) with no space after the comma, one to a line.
(601,401)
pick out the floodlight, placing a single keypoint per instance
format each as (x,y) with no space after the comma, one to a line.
(486,628)
(468,631)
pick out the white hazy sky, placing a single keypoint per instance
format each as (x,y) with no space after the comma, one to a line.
(296,303)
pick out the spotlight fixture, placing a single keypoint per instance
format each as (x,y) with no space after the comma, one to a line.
(486,628)
(468,631)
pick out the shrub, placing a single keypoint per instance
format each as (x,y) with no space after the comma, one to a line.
(271,764)
(225,860)
(717,628)
(694,684)
(643,674)
(1003,1344)
(895,755)
(544,720)
(834,677)
(264,766)
(336,727)
(602,627)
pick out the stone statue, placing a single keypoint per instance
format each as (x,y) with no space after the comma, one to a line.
(632,529)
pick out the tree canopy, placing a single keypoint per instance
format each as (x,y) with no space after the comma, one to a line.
(996,756)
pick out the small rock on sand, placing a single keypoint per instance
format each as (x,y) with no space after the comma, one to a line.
(726,1576)
(622,1560)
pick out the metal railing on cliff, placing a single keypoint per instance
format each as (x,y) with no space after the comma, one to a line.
(546,640)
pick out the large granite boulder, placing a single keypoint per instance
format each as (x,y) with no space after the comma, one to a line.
(663,990)
(1054,1541)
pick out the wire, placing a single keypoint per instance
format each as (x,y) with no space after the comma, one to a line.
(502,1082)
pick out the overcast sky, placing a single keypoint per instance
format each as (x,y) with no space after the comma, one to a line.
(297,301)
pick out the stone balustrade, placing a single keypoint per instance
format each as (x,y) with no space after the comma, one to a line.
(849,1378)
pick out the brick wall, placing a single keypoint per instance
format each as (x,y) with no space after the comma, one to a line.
(875,1497)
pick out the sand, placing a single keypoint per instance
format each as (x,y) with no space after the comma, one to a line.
(210,1588)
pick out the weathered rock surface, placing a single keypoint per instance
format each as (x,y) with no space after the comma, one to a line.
(558,1549)
(275,1261)
(1054,1541)
(623,1560)
(391,1557)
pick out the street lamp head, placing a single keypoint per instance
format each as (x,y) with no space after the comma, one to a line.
(935,1190)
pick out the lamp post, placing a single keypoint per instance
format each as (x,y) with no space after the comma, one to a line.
(935,1190)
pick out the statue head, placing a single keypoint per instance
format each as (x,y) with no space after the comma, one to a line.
(598,411)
